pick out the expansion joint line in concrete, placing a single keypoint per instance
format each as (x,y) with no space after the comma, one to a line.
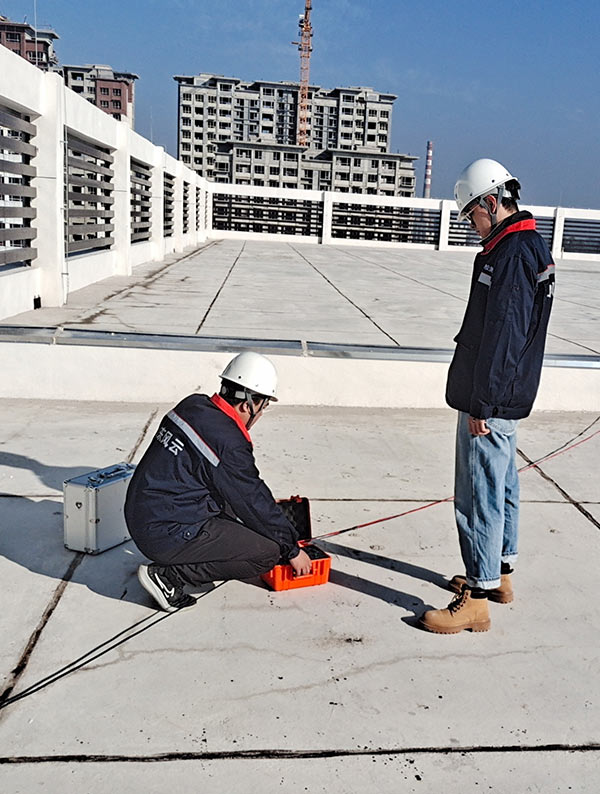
(577,505)
(408,278)
(214,300)
(275,754)
(18,671)
(350,301)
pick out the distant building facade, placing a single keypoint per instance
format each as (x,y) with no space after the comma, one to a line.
(113,92)
(37,47)
(245,133)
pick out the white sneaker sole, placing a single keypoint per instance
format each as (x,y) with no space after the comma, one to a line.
(153,589)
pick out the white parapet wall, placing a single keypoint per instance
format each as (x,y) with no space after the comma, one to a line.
(79,371)
(57,113)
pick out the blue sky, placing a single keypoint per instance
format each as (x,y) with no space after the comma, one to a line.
(516,81)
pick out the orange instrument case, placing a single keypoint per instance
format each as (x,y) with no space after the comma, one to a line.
(281,577)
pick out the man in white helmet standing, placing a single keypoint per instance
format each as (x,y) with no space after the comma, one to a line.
(196,505)
(492,382)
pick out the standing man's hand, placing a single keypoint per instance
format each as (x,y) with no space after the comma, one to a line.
(478,427)
(301,564)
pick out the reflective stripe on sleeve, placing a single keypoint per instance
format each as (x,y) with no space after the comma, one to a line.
(545,274)
(196,440)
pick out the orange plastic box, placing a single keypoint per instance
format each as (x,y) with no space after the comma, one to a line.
(281,577)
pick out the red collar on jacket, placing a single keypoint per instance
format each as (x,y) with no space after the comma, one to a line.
(519,226)
(232,413)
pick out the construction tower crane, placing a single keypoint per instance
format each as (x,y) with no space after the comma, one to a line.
(305,48)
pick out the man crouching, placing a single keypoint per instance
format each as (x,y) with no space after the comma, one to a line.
(196,505)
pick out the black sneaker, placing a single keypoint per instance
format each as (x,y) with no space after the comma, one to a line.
(170,597)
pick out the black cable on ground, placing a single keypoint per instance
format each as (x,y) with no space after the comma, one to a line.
(87,657)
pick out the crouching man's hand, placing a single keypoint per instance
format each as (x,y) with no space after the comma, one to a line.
(301,563)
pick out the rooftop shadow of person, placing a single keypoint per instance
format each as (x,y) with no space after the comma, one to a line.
(32,536)
(407,601)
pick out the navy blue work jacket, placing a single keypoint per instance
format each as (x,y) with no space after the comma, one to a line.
(199,465)
(500,347)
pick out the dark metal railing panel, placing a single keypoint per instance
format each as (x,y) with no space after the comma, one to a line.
(16,191)
(267,215)
(140,205)
(89,185)
(385,223)
(169,204)
(186,207)
(581,236)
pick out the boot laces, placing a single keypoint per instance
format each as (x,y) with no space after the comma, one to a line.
(459,601)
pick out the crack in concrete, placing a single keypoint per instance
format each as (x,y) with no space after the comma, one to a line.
(141,437)
(279,754)
(16,673)
(152,277)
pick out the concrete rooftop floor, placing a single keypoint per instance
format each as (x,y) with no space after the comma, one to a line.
(326,689)
(345,295)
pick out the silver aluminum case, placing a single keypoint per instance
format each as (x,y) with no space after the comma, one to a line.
(94,518)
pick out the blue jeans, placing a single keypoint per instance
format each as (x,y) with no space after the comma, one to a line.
(486,499)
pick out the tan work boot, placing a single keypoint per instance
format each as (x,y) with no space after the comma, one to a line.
(464,612)
(501,595)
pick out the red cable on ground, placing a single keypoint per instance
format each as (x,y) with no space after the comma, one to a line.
(551,455)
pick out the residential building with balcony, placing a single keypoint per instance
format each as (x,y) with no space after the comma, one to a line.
(113,92)
(234,131)
(36,46)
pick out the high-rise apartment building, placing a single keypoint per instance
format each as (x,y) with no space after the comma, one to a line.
(245,133)
(113,92)
(36,46)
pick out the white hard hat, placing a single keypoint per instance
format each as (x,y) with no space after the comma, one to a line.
(480,179)
(254,372)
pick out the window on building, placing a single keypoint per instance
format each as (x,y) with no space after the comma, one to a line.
(274,171)
(372,112)
(12,36)
(117,91)
(347,98)
(116,103)
(357,162)
(258,155)
(103,90)
(259,169)
(104,104)
(116,116)
(268,91)
(382,138)
(357,177)
(275,155)
(289,156)
(186,97)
